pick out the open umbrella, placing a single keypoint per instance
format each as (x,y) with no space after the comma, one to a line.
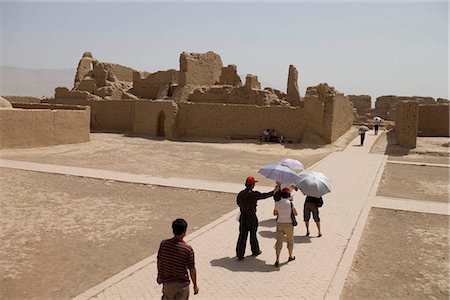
(314,184)
(292,163)
(279,173)
(363,128)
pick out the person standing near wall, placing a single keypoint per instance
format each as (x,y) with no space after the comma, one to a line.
(175,257)
(248,221)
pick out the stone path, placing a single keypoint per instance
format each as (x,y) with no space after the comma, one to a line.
(322,263)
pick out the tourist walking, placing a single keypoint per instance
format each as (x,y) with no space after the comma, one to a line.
(248,222)
(362,133)
(311,206)
(174,258)
(376,124)
(284,207)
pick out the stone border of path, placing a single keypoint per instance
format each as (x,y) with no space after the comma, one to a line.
(95,290)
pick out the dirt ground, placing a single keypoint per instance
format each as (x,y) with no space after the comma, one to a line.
(402,255)
(79,231)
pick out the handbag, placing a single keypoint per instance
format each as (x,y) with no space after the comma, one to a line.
(319,202)
(294,220)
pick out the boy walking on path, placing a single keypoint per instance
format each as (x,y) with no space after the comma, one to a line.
(248,222)
(175,257)
(376,124)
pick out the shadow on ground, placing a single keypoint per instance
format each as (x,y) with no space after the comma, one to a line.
(249,264)
(298,239)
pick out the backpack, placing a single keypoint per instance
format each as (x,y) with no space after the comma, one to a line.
(319,202)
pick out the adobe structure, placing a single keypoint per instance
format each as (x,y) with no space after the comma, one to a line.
(203,99)
(29,125)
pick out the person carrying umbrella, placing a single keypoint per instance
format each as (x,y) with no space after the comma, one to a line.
(362,132)
(248,222)
(284,207)
(314,185)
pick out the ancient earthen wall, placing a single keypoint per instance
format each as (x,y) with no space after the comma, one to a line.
(406,123)
(155,118)
(434,120)
(200,68)
(221,121)
(122,73)
(341,117)
(108,115)
(231,95)
(385,105)
(362,103)
(293,95)
(29,128)
(229,76)
(23,99)
(154,86)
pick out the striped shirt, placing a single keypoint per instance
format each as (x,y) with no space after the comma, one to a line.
(174,259)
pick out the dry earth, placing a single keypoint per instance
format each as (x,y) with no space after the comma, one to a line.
(79,231)
(402,255)
(63,234)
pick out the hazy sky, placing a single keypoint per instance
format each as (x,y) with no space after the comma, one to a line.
(358,47)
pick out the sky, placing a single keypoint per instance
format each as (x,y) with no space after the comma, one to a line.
(371,48)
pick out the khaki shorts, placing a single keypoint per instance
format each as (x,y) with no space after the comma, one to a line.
(282,230)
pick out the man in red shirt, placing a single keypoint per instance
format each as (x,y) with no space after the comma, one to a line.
(175,257)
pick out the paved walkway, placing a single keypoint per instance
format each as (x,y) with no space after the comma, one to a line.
(322,263)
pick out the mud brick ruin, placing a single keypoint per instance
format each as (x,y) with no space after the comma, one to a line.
(203,99)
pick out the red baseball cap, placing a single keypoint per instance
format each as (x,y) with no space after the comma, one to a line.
(286,190)
(250,180)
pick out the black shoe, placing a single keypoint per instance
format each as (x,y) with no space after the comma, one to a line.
(319,235)
(291,258)
(256,254)
(276,264)
(307,234)
(240,258)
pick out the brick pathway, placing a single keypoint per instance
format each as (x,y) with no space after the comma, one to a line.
(322,264)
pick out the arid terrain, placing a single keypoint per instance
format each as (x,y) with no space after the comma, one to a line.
(64,234)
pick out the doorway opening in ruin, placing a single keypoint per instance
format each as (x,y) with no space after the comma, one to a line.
(160,125)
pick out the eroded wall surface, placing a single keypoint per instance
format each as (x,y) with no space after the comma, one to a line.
(200,68)
(149,115)
(385,105)
(406,123)
(434,120)
(362,103)
(47,126)
(225,121)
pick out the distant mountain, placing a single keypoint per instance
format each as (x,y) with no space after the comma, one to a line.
(28,82)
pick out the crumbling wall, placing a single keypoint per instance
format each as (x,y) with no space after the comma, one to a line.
(433,120)
(85,66)
(24,99)
(155,118)
(340,117)
(293,95)
(156,85)
(228,120)
(406,123)
(200,68)
(385,105)
(362,103)
(229,76)
(40,125)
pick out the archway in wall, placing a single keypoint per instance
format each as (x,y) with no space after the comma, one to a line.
(160,125)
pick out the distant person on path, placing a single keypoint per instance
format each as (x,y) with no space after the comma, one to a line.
(310,207)
(362,133)
(376,124)
(283,208)
(248,222)
(175,257)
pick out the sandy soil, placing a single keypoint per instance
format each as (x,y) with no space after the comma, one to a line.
(80,231)
(61,234)
(402,255)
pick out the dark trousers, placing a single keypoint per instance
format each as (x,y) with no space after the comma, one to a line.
(375,129)
(247,223)
(362,135)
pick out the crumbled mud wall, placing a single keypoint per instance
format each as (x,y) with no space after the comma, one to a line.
(43,125)
(434,120)
(155,118)
(222,121)
(406,123)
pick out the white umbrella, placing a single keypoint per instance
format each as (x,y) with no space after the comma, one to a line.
(292,163)
(279,173)
(314,184)
(363,128)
